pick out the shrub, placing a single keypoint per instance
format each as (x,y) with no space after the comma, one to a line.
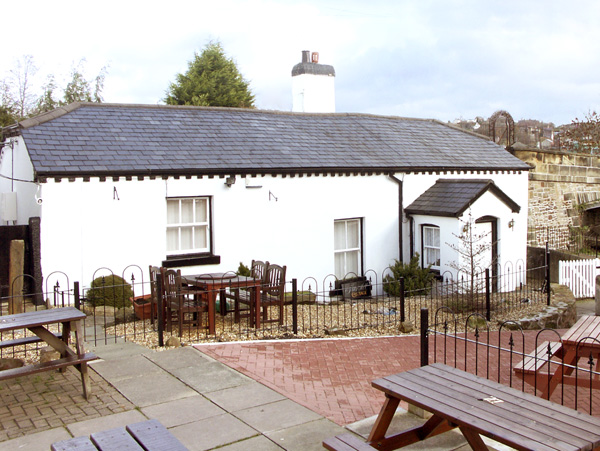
(243,270)
(415,277)
(112,291)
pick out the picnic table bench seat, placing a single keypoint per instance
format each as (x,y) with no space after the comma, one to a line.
(148,435)
(72,360)
(347,442)
(25,341)
(535,360)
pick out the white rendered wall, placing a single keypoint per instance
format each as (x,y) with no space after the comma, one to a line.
(85,227)
(514,185)
(512,242)
(313,93)
(17,176)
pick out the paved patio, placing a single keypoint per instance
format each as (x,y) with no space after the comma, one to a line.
(203,402)
(237,396)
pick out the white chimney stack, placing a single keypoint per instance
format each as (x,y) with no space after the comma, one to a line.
(313,88)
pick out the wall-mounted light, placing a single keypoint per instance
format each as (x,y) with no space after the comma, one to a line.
(465,228)
(511,224)
(230,181)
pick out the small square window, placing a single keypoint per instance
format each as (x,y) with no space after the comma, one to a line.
(187,225)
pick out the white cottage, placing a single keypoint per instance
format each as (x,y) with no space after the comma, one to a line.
(204,189)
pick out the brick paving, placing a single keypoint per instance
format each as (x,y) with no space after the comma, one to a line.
(332,377)
(51,399)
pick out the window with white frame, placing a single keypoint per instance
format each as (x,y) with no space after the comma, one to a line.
(188,225)
(431,246)
(347,247)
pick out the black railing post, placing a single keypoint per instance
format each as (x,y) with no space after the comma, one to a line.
(488,306)
(424,337)
(76,295)
(160,312)
(295,306)
(548,293)
(402,312)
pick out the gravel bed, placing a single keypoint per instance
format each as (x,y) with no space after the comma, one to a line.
(369,318)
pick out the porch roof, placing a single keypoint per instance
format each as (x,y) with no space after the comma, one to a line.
(96,139)
(451,197)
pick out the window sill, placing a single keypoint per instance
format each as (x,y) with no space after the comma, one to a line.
(175,261)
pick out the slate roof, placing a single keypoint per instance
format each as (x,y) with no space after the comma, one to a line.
(119,139)
(451,197)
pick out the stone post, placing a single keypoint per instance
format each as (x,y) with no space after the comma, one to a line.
(15,279)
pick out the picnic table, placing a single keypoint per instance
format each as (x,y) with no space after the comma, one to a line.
(148,435)
(37,322)
(477,406)
(553,363)
(214,283)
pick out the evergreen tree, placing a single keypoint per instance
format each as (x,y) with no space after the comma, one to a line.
(212,79)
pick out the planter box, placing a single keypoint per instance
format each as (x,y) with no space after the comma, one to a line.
(142,306)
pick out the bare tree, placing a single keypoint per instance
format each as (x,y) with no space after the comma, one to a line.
(472,249)
(21,79)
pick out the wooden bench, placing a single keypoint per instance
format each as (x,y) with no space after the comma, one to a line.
(347,442)
(148,435)
(25,341)
(531,369)
(72,360)
(535,360)
(477,406)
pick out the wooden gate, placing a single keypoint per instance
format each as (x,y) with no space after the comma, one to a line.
(579,276)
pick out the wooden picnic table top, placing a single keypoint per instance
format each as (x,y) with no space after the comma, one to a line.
(587,326)
(478,405)
(39,318)
(220,279)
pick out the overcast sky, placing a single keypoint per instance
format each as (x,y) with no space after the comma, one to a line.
(416,58)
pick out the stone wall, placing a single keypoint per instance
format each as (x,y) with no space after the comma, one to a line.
(561,186)
(561,314)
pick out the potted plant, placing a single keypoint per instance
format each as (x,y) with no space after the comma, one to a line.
(143,306)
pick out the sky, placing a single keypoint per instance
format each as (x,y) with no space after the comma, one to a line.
(442,60)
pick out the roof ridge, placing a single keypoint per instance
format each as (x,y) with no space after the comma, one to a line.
(49,115)
(61,111)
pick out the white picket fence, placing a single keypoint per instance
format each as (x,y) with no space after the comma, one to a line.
(579,276)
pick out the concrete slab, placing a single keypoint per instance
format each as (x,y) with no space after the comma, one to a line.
(40,441)
(244,396)
(119,350)
(134,366)
(451,440)
(210,376)
(306,436)
(152,388)
(585,307)
(88,427)
(212,432)
(277,415)
(183,411)
(183,357)
(261,443)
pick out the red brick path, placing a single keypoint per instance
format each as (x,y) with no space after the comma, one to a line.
(332,377)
